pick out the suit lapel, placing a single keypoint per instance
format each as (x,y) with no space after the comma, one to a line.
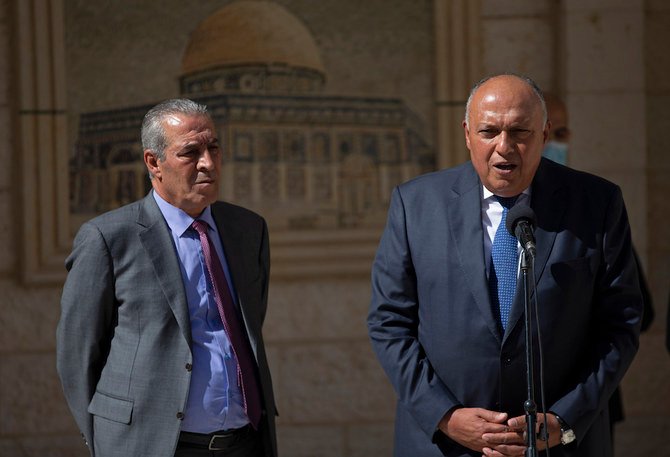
(159,248)
(233,240)
(465,226)
(549,201)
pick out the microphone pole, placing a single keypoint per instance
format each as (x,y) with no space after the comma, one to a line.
(520,223)
(529,406)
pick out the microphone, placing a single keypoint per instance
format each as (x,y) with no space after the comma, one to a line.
(520,223)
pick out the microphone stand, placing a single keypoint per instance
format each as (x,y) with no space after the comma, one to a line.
(529,406)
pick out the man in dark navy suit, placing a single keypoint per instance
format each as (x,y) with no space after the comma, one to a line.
(455,359)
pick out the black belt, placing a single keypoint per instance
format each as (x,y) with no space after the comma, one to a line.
(217,441)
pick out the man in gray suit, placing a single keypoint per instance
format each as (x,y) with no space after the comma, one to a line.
(159,343)
(454,354)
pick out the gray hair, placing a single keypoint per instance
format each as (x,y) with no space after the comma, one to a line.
(153,132)
(532,84)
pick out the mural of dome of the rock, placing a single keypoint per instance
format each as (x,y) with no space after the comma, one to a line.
(303,159)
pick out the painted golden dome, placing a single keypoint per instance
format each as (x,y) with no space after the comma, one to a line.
(251,33)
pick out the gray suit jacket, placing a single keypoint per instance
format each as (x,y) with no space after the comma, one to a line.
(434,331)
(124,336)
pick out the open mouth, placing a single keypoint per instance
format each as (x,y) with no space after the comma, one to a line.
(504,166)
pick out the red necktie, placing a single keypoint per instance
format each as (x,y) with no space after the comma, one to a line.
(233,327)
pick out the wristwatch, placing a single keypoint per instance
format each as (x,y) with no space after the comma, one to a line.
(567,435)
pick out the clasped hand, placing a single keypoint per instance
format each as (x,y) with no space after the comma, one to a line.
(494,434)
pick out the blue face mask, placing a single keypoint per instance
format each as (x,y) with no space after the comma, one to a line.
(558,152)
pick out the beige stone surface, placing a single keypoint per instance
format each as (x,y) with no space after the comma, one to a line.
(608,130)
(333,397)
(657,6)
(8,257)
(10,448)
(31,400)
(28,318)
(317,310)
(520,45)
(512,8)
(600,5)
(335,383)
(659,206)
(367,440)
(605,49)
(310,441)
(51,446)
(645,387)
(657,25)
(4,57)
(6,157)
(658,124)
(641,436)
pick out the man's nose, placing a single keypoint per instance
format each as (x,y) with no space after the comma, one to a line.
(504,143)
(206,160)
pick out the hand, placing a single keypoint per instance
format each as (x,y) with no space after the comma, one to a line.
(517,425)
(470,426)
(554,428)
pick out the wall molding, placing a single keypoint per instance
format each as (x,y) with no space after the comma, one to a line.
(42,140)
(458,63)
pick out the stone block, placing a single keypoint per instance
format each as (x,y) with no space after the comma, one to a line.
(28,319)
(317,310)
(655,6)
(577,5)
(365,440)
(657,56)
(334,383)
(4,62)
(638,436)
(31,399)
(54,446)
(520,45)
(7,236)
(10,448)
(310,441)
(608,130)
(658,121)
(659,206)
(509,8)
(657,275)
(7,152)
(645,386)
(605,50)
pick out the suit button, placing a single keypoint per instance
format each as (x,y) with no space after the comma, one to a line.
(180,415)
(189,367)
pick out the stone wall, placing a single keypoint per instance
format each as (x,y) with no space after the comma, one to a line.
(607,57)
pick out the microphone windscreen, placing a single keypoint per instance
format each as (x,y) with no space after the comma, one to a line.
(517,214)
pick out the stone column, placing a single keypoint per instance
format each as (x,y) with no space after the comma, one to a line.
(457,67)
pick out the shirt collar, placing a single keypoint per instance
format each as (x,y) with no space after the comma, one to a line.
(487,194)
(177,219)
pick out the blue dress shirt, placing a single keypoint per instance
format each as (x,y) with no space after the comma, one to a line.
(215,400)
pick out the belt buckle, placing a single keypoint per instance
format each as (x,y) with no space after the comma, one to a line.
(211,446)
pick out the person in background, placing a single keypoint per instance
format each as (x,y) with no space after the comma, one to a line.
(557,149)
(159,344)
(446,321)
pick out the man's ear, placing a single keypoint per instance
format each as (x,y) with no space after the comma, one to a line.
(466,132)
(151,161)
(545,133)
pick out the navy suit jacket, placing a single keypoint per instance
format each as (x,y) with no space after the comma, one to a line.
(124,336)
(431,321)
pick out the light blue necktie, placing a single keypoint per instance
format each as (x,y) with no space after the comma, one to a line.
(504,256)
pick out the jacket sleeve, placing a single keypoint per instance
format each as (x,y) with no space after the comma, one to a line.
(393,322)
(85,327)
(615,324)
